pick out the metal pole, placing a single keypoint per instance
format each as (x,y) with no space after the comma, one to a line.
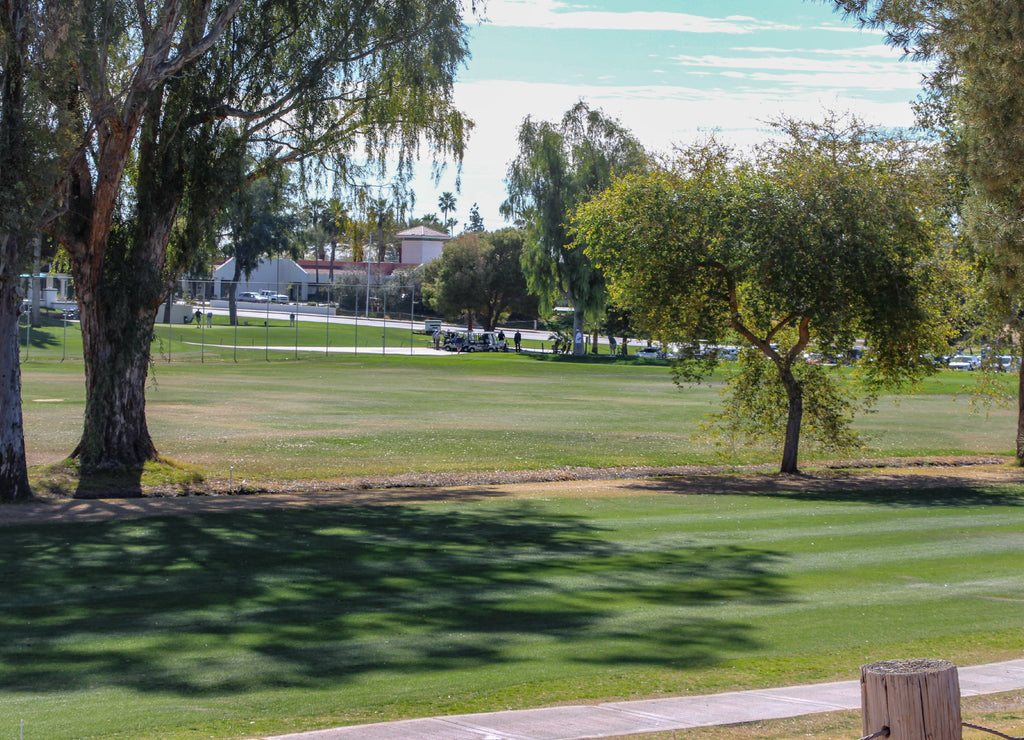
(28,333)
(327,322)
(412,316)
(367,307)
(384,326)
(170,322)
(202,331)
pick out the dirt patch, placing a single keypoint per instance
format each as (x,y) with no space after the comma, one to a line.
(901,474)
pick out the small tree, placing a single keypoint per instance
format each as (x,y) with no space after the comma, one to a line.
(822,239)
(260,224)
(476,221)
(479,274)
(453,285)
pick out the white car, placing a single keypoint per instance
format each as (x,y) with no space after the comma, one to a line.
(250,296)
(651,353)
(965,362)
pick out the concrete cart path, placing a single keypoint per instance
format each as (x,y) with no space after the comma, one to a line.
(652,715)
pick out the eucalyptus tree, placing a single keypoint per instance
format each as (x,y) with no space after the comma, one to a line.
(559,166)
(821,239)
(973,97)
(33,48)
(16,40)
(213,87)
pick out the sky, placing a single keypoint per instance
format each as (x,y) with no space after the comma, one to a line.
(670,71)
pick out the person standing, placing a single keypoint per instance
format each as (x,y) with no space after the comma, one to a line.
(518,338)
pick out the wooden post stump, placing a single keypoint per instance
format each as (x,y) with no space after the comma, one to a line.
(915,699)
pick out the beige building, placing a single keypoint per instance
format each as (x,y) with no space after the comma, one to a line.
(421,244)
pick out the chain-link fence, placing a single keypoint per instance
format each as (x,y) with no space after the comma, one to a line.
(218,320)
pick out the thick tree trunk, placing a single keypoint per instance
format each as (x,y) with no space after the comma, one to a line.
(13,469)
(791,447)
(116,338)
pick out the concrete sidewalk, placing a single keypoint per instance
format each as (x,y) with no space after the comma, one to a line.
(653,715)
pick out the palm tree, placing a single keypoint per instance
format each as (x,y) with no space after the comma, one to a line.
(447,204)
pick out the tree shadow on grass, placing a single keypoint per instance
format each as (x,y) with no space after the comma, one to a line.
(37,339)
(314,599)
(880,490)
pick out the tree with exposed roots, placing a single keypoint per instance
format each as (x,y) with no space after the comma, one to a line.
(169,138)
(818,241)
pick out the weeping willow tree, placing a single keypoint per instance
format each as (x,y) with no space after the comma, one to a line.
(558,167)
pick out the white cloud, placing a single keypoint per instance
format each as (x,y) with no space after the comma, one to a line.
(659,116)
(817,70)
(553,14)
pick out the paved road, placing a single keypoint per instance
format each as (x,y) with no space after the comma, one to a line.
(654,715)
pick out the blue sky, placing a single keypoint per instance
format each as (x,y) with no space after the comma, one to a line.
(668,70)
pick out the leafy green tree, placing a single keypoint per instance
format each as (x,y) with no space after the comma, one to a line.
(261,222)
(973,97)
(453,285)
(480,274)
(505,285)
(293,81)
(558,167)
(820,240)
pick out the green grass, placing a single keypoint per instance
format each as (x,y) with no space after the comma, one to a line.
(263,623)
(251,624)
(359,415)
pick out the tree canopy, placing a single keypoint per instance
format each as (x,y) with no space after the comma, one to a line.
(559,166)
(819,240)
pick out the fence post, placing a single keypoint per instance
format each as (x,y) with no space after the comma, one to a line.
(915,699)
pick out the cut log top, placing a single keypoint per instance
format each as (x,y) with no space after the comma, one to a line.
(903,667)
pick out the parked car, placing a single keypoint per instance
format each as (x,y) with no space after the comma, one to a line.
(272,297)
(250,296)
(651,353)
(965,362)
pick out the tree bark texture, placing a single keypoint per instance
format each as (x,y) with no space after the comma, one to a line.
(13,469)
(915,699)
(14,165)
(116,339)
(791,447)
(1020,415)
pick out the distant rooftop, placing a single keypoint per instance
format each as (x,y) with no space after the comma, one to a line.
(422,232)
